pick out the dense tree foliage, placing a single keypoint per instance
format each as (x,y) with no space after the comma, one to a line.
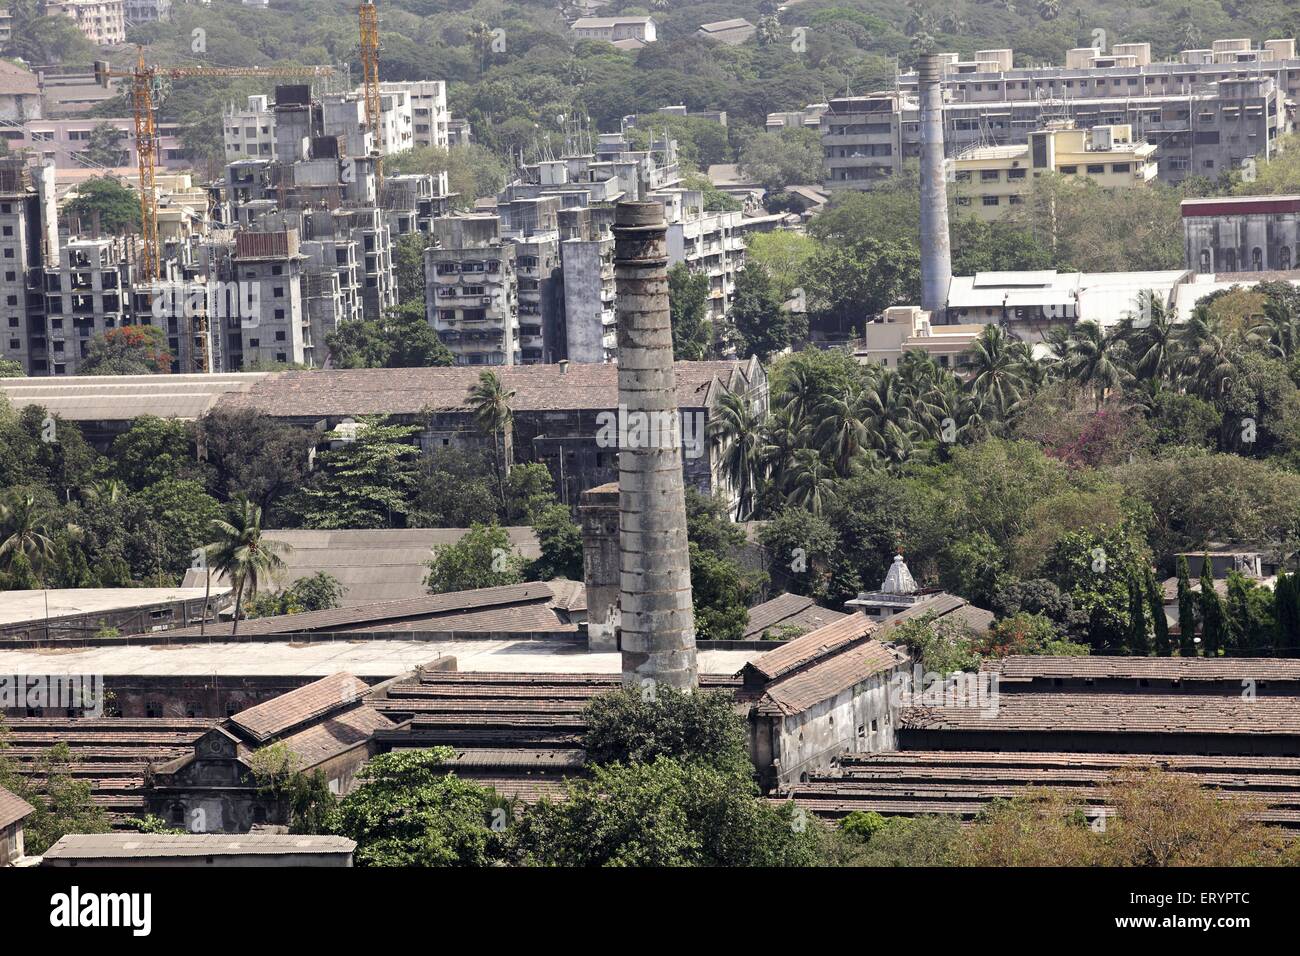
(403,338)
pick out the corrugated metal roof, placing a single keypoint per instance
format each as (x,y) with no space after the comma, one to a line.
(93,398)
(372,565)
(381,615)
(325,393)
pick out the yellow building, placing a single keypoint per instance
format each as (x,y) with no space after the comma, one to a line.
(992,180)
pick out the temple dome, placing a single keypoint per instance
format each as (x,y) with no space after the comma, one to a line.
(899,580)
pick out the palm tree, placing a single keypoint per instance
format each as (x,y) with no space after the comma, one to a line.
(740,429)
(239,551)
(1209,356)
(1277,331)
(841,431)
(25,530)
(490,402)
(802,392)
(996,372)
(109,491)
(785,433)
(1095,359)
(481,36)
(812,483)
(886,411)
(1152,337)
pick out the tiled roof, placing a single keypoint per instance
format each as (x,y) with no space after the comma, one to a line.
(12,808)
(1154,668)
(491,711)
(826,678)
(961,783)
(16,81)
(814,645)
(279,714)
(335,734)
(372,564)
(788,609)
(569,595)
(111,753)
(388,615)
(735,23)
(323,393)
(99,846)
(1118,713)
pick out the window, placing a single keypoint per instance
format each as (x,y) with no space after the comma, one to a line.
(1069,170)
(1120,168)
(990,200)
(1096,169)
(989,175)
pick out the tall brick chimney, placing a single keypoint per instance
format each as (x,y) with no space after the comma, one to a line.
(657,624)
(936,244)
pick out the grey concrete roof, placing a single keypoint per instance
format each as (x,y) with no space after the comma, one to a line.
(101,846)
(18,607)
(374,564)
(363,658)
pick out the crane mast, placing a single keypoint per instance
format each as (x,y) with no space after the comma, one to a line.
(143,79)
(369,19)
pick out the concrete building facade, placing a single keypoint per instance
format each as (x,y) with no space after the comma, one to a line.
(1241,234)
(102,21)
(471,290)
(990,181)
(1204,131)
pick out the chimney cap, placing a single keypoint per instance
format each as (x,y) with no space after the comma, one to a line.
(637,213)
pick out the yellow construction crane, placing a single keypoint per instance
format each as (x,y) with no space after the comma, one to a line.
(143,79)
(369,18)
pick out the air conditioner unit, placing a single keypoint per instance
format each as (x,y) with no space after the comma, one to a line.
(487,300)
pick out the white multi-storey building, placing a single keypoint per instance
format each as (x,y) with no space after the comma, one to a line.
(250,132)
(429,116)
(102,21)
(471,291)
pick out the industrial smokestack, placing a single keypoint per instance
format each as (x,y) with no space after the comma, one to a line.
(936,247)
(656,620)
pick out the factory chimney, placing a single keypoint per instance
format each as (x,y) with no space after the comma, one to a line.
(936,246)
(656,621)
